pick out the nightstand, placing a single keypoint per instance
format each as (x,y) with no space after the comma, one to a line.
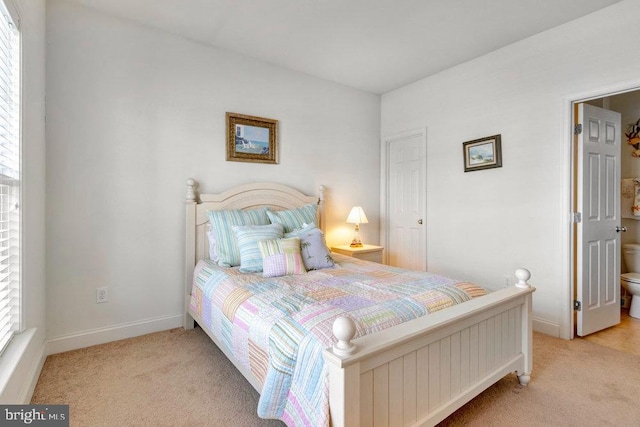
(366,252)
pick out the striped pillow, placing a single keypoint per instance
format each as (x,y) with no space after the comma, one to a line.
(221,223)
(295,218)
(248,237)
(281,257)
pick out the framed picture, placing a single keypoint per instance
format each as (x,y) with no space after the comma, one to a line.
(483,153)
(252,139)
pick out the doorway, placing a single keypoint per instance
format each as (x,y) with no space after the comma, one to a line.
(627,102)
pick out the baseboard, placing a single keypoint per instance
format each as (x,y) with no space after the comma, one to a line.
(112,333)
(546,327)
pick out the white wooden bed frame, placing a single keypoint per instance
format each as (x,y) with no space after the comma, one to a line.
(416,373)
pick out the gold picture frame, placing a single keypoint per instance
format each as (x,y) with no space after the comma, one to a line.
(483,153)
(252,139)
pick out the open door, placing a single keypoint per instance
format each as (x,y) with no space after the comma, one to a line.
(598,219)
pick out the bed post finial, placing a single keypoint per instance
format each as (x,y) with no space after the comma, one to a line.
(321,189)
(344,329)
(191,190)
(522,274)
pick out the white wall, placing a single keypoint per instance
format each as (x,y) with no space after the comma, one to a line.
(484,224)
(20,365)
(133,112)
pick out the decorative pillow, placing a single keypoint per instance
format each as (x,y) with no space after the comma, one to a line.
(295,218)
(315,253)
(281,257)
(221,223)
(248,237)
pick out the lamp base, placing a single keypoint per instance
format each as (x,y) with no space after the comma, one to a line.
(356,242)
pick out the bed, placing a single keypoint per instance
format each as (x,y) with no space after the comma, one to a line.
(413,373)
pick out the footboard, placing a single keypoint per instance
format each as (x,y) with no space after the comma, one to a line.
(420,372)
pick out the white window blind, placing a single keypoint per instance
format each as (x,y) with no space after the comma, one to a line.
(9,177)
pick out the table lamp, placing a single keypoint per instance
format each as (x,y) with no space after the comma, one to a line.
(357,217)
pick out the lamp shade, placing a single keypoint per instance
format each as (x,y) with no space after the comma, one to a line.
(357,216)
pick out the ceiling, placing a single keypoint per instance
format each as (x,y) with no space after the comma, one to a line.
(372,45)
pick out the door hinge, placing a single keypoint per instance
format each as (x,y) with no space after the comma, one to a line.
(577,305)
(576,217)
(577,129)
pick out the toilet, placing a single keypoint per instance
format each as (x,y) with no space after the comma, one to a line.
(631,281)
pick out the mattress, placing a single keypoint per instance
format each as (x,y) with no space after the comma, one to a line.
(278,327)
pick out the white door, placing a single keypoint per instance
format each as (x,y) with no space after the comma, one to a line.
(406,195)
(598,232)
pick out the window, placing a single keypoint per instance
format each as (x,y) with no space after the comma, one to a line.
(9,177)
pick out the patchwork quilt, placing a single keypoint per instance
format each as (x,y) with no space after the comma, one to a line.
(278,327)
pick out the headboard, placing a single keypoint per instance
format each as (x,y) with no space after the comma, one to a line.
(248,196)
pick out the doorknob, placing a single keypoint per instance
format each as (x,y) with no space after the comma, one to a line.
(619,229)
(420,222)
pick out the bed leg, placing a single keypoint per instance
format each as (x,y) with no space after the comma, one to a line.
(524,379)
(189,323)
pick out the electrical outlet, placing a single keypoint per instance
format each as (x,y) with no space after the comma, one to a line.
(101,295)
(507,280)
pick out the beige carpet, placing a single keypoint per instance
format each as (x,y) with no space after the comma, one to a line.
(171,378)
(179,378)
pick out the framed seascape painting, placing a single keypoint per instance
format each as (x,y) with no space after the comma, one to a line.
(483,153)
(252,139)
